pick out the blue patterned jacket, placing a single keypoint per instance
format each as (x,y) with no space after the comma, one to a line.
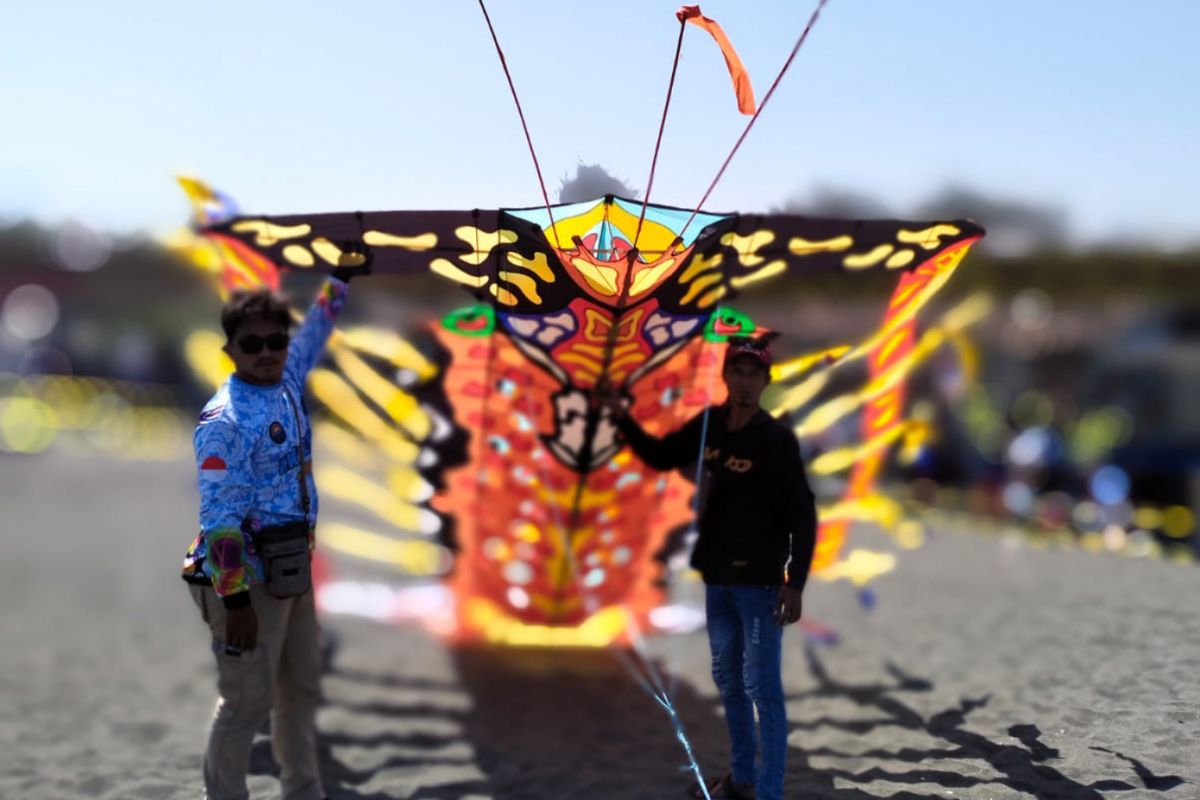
(247,459)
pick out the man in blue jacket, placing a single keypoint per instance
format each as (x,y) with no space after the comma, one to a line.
(253,448)
(757,533)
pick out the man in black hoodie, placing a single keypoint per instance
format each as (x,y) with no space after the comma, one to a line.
(758,525)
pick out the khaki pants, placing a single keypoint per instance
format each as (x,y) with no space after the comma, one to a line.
(281,678)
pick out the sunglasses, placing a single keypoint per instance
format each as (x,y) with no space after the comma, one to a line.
(252,343)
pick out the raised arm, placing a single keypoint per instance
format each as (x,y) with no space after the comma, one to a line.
(309,339)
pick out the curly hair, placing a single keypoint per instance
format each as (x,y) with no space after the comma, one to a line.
(246,304)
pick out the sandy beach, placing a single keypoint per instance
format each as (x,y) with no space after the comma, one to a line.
(987,669)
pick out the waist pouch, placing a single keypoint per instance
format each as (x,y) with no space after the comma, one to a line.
(287,564)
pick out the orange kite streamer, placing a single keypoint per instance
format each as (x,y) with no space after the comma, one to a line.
(741,78)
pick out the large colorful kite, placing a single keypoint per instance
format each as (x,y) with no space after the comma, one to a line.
(555,525)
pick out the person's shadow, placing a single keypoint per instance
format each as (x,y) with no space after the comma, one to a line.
(576,724)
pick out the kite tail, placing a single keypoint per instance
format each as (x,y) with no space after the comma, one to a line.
(741,78)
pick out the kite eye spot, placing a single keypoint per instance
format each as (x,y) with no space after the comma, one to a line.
(728,322)
(495,549)
(518,597)
(518,572)
(476,320)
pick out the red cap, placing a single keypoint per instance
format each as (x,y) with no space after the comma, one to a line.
(758,349)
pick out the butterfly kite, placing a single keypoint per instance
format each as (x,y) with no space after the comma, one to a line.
(555,526)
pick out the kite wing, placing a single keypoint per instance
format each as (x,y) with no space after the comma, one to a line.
(452,243)
(922,256)
(588,243)
(763,246)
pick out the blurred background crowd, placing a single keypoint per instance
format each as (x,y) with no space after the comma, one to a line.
(1064,412)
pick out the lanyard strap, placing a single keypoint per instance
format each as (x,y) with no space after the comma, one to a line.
(304,501)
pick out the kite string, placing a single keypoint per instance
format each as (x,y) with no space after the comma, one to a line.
(661,127)
(699,477)
(592,420)
(647,678)
(489,381)
(521,114)
(660,695)
(728,159)
(704,435)
(654,687)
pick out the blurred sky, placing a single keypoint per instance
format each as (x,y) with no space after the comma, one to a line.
(1087,105)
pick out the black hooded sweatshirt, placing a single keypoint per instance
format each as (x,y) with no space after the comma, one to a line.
(757,513)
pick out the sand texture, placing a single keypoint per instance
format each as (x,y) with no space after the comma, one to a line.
(987,669)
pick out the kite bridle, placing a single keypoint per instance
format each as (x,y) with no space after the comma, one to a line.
(593,416)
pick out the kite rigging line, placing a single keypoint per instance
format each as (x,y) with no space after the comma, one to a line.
(658,692)
(812,20)
(592,422)
(488,373)
(704,428)
(521,114)
(659,696)
(661,127)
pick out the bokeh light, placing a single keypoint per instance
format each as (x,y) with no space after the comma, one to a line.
(1031,448)
(1031,309)
(30,312)
(27,425)
(1110,485)
(1018,498)
(79,248)
(1032,408)
(1179,521)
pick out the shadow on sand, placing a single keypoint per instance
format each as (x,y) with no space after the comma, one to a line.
(1022,768)
(574,724)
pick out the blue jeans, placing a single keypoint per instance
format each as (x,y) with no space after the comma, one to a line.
(747,655)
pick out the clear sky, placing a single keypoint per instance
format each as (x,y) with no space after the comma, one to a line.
(1087,105)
